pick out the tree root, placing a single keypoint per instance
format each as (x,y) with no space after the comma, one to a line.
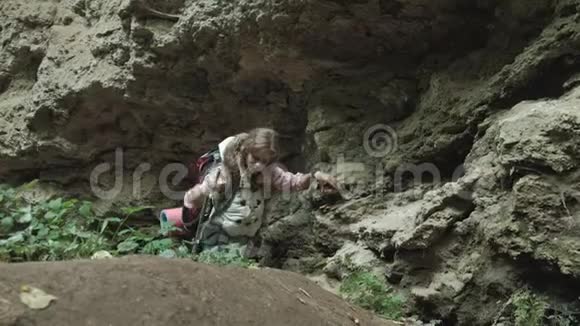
(144,9)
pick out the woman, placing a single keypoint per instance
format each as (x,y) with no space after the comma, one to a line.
(241,185)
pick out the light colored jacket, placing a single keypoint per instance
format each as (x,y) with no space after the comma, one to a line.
(245,215)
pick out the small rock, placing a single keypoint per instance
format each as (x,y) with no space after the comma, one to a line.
(394,273)
(350,257)
(101,254)
(427,294)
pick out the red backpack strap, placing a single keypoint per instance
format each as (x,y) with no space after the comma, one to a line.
(199,168)
(204,163)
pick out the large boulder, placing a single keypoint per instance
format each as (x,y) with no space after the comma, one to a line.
(537,156)
(160,291)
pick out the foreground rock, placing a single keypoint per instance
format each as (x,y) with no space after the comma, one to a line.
(156,291)
(461,249)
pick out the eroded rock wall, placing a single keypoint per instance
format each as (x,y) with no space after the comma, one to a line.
(80,79)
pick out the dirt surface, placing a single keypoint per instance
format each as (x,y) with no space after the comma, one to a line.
(157,291)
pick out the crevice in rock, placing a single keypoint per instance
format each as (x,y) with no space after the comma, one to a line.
(449,320)
(560,285)
(548,83)
(446,166)
(450,163)
(428,311)
(23,71)
(4,82)
(568,9)
(520,170)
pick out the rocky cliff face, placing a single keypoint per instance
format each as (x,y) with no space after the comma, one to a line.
(481,96)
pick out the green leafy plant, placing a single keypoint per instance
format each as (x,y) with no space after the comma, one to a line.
(51,230)
(62,229)
(224,258)
(529,308)
(365,289)
(562,319)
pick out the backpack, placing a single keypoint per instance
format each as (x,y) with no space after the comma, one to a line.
(199,217)
(186,219)
(194,221)
(198,171)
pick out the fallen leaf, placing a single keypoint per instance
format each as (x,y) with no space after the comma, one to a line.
(35,298)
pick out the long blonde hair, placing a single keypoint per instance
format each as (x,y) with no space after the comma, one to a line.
(262,143)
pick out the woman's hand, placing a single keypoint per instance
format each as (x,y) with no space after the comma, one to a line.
(216,181)
(327,182)
(194,197)
(212,183)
